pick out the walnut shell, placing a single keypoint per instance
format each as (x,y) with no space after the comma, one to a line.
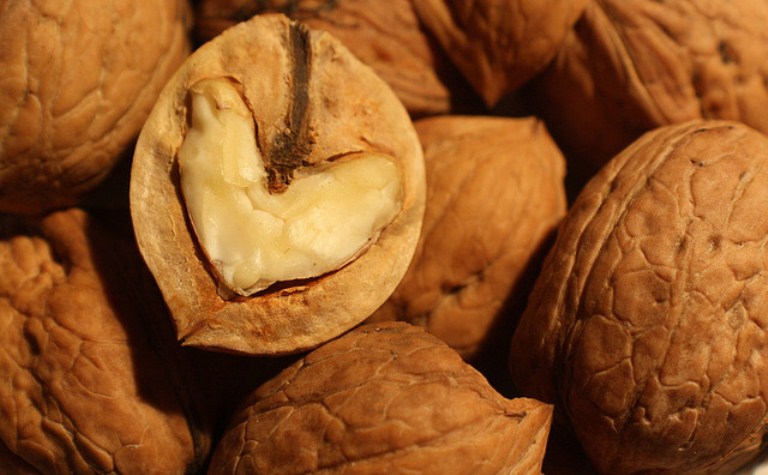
(79,79)
(630,66)
(499,45)
(349,110)
(384,398)
(495,194)
(647,325)
(387,36)
(88,388)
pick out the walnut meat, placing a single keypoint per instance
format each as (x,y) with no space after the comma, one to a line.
(277,190)
(495,193)
(499,45)
(631,66)
(88,388)
(387,36)
(647,325)
(78,81)
(383,399)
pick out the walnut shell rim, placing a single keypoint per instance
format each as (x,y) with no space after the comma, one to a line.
(365,116)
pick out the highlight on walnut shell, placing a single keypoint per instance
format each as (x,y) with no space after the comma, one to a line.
(495,194)
(79,79)
(647,325)
(382,399)
(387,36)
(277,190)
(91,385)
(631,66)
(499,45)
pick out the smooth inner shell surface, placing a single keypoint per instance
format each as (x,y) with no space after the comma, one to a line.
(348,110)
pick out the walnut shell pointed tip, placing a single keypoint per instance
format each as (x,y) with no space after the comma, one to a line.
(227,190)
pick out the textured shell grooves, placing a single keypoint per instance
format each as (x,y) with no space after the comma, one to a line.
(577,286)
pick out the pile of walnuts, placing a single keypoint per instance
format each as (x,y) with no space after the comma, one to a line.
(354,236)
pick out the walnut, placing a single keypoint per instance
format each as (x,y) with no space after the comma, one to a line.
(277,190)
(499,45)
(495,193)
(386,398)
(387,36)
(78,81)
(647,325)
(630,66)
(88,387)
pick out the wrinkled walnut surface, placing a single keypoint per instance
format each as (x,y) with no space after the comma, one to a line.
(647,325)
(387,36)
(78,81)
(386,398)
(632,65)
(86,388)
(499,45)
(494,195)
(311,101)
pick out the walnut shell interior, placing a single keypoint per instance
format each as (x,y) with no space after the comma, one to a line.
(312,102)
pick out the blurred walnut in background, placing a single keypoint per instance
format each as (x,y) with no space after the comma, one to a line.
(499,45)
(495,194)
(78,81)
(387,36)
(632,65)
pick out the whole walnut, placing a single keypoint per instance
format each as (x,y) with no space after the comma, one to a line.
(92,384)
(386,398)
(499,45)
(630,66)
(387,36)
(647,325)
(78,81)
(495,194)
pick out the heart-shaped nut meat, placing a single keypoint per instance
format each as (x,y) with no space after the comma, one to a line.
(277,190)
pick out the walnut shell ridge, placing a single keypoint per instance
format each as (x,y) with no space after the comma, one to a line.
(648,324)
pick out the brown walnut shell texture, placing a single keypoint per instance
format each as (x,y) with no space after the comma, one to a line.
(648,324)
(387,36)
(387,398)
(79,79)
(630,66)
(499,44)
(350,109)
(495,194)
(88,388)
